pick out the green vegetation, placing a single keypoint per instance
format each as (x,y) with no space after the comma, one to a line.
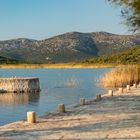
(131,56)
(130,11)
(4,60)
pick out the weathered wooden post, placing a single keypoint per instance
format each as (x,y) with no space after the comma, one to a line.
(31,117)
(135,85)
(82,101)
(98,97)
(61,108)
(128,87)
(121,90)
(110,92)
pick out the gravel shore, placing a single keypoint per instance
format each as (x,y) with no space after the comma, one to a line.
(116,117)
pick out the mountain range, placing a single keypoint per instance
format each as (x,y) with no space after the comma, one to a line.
(68,47)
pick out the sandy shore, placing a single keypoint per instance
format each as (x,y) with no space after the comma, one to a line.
(116,117)
(57,65)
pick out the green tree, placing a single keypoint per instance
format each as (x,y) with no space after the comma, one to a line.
(130,11)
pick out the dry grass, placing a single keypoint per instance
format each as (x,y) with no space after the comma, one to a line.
(58,65)
(121,76)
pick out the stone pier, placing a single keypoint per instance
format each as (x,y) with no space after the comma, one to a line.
(19,85)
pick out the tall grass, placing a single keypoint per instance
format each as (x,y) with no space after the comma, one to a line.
(121,76)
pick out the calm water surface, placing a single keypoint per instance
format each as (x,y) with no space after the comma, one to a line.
(57,85)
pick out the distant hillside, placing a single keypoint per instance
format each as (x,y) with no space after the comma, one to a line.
(131,56)
(67,47)
(4,60)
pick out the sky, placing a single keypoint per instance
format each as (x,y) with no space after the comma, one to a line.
(41,19)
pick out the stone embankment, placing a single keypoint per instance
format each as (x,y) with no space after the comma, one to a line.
(113,116)
(19,85)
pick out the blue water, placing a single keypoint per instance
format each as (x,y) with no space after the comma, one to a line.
(57,86)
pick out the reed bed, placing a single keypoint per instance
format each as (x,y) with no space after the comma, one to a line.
(72,82)
(121,76)
(57,65)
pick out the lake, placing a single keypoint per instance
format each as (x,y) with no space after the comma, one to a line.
(57,86)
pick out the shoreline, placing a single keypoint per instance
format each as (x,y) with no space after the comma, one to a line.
(112,117)
(59,65)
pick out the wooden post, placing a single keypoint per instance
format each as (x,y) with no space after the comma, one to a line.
(98,97)
(82,101)
(110,92)
(120,90)
(128,87)
(31,117)
(61,108)
(135,85)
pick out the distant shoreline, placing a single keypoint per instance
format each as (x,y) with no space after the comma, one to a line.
(59,65)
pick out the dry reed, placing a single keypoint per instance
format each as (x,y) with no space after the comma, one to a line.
(121,76)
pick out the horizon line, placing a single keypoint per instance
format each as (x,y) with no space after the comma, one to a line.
(28,38)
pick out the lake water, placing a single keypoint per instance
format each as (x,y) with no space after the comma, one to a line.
(57,86)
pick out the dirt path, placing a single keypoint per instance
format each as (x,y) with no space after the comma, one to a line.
(116,117)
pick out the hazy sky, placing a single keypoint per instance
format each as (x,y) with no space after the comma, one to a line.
(39,19)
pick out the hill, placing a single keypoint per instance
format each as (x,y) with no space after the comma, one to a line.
(4,60)
(131,56)
(67,47)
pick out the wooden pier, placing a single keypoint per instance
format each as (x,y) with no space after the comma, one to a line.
(19,85)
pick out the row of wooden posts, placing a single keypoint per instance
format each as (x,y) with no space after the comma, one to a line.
(31,116)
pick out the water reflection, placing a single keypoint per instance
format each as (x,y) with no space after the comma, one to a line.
(72,82)
(18,98)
